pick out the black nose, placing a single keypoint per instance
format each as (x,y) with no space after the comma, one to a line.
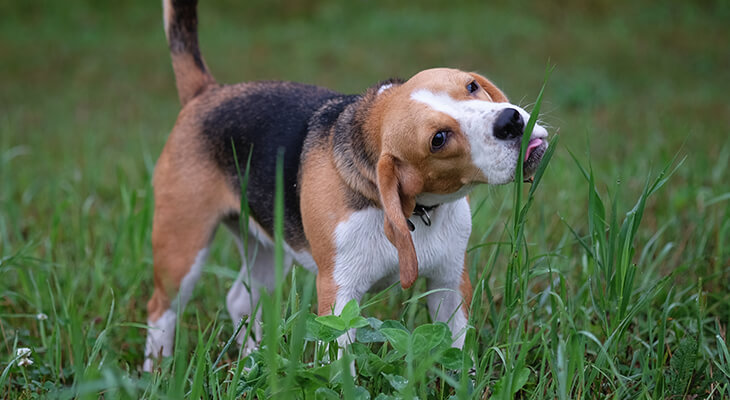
(509,124)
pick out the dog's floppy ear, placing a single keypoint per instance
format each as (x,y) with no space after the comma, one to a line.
(398,185)
(493,90)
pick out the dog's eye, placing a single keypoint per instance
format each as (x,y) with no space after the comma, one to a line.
(472,87)
(439,140)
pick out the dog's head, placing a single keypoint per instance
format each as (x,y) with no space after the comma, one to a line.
(442,132)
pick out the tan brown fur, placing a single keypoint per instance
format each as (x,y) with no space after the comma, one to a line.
(323,206)
(189,78)
(466,290)
(398,199)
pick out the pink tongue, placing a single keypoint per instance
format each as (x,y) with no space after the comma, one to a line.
(533,144)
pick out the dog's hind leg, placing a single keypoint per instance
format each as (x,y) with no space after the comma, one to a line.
(257,274)
(189,203)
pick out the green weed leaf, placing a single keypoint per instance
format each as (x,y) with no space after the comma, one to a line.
(315,330)
(324,393)
(332,321)
(396,381)
(371,333)
(361,393)
(453,358)
(350,311)
(357,322)
(519,379)
(437,335)
(398,338)
(393,324)
(683,365)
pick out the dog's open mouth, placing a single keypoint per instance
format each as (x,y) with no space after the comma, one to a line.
(534,143)
(533,155)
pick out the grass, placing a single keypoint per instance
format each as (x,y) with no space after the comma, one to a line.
(613,283)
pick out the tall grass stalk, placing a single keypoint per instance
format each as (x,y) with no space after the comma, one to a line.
(517,261)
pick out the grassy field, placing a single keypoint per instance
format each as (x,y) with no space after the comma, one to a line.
(616,284)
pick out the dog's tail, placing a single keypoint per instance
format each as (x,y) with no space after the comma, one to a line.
(181,28)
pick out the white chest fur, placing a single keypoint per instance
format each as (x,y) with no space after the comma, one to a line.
(365,256)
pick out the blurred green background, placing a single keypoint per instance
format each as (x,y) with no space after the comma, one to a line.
(86,81)
(87,98)
(631,78)
(87,95)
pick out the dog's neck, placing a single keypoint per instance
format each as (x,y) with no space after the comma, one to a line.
(356,141)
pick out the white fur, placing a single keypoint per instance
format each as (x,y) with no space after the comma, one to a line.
(161,335)
(496,158)
(303,258)
(385,87)
(166,11)
(257,273)
(160,338)
(444,305)
(190,279)
(364,257)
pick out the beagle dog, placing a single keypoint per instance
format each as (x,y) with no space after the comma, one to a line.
(375,184)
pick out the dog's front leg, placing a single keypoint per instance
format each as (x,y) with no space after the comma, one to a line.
(332,298)
(451,304)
